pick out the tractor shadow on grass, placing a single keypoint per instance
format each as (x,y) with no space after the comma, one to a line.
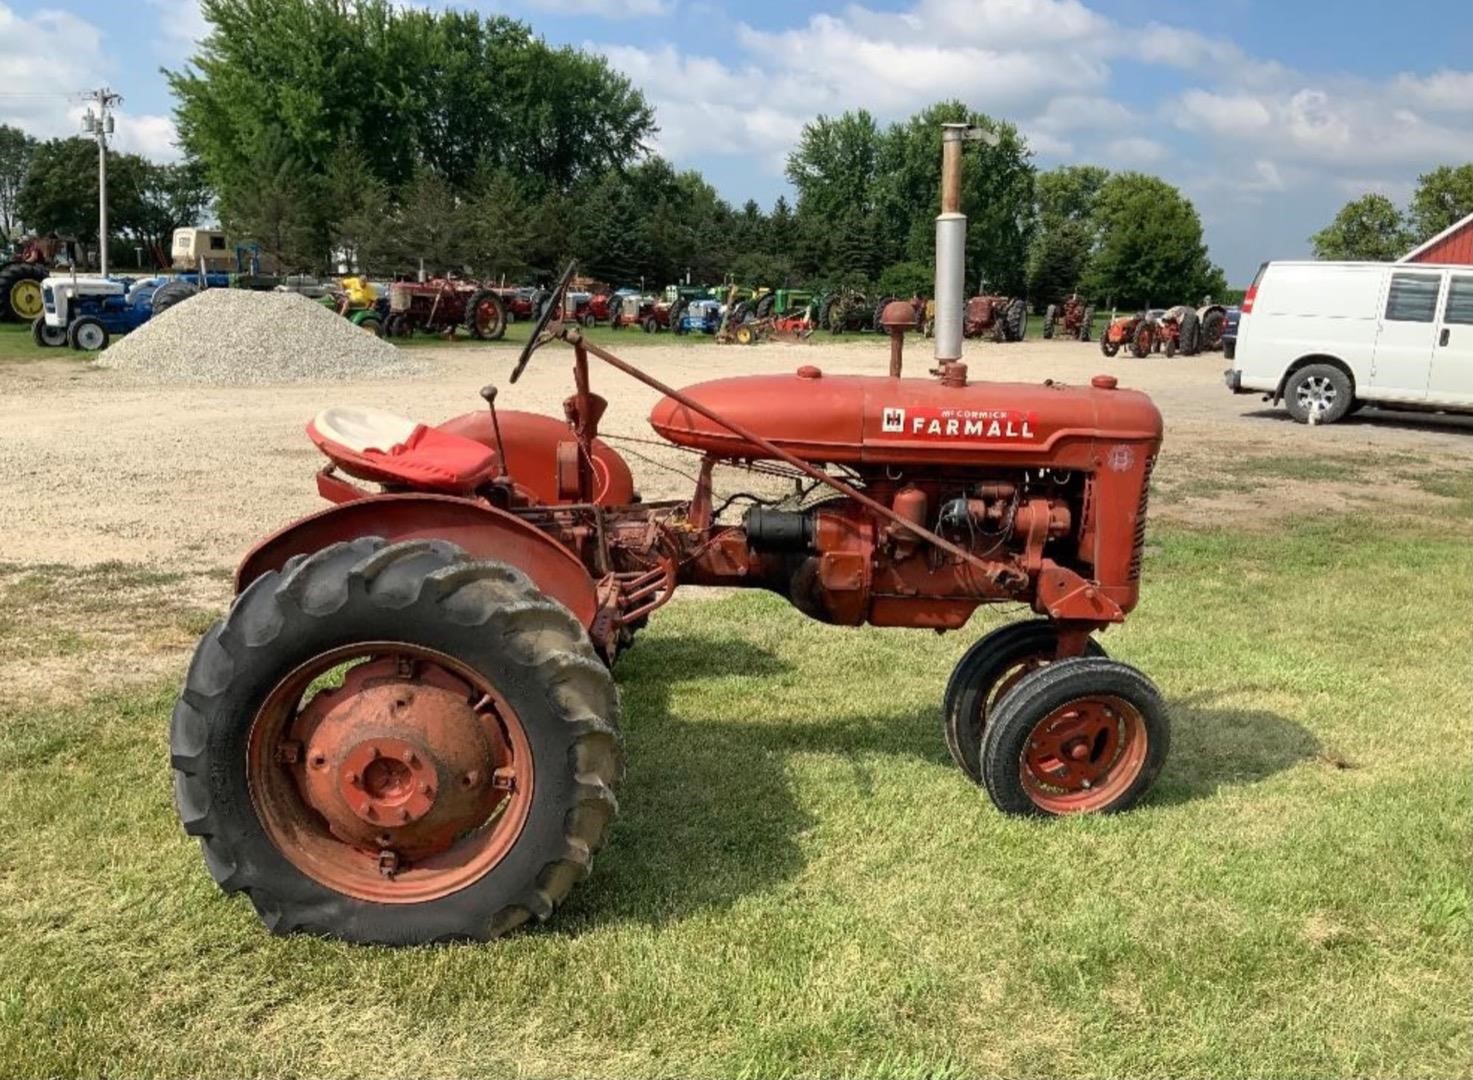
(708,814)
(1214,748)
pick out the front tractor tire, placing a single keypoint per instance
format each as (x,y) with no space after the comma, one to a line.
(984,674)
(47,337)
(451,777)
(1078,736)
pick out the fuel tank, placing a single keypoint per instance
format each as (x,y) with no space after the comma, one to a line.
(871,420)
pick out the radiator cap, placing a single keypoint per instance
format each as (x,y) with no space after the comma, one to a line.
(1104,382)
(808,371)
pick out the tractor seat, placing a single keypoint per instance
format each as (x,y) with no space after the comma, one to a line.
(386,448)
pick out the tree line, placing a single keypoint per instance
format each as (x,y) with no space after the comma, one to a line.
(1374,228)
(396,137)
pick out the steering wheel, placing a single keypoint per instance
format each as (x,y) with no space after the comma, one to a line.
(554,306)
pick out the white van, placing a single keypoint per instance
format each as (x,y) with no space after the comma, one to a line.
(1328,337)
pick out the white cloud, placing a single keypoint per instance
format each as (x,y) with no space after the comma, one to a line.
(1134,152)
(49,59)
(1442,91)
(182,26)
(1347,124)
(609,9)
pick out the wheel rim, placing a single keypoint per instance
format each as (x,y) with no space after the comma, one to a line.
(25,298)
(1317,392)
(89,337)
(488,316)
(409,781)
(1083,755)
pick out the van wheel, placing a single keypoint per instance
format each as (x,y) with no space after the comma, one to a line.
(1319,391)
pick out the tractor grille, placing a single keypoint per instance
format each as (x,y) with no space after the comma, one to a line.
(1140,522)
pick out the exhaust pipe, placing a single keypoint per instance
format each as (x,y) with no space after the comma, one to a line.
(951,239)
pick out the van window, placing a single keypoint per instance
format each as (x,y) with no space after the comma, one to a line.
(1413,297)
(1459,307)
(217,243)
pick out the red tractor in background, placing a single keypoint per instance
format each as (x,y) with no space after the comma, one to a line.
(443,306)
(406,728)
(1005,318)
(1136,332)
(1072,319)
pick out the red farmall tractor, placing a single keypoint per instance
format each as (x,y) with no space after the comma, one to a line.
(443,306)
(1072,319)
(406,729)
(1005,318)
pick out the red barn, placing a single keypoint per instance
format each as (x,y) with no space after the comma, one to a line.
(1452,245)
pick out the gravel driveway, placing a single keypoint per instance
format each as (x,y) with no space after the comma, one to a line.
(99,468)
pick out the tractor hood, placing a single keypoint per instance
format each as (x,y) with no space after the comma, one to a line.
(862,419)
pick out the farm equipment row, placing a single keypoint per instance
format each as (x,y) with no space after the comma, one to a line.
(1180,329)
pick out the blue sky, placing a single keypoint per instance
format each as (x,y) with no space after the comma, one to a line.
(1269,115)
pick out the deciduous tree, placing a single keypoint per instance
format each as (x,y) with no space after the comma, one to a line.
(1150,246)
(1443,197)
(1370,227)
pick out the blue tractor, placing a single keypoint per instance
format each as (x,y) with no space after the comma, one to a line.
(86,311)
(698,317)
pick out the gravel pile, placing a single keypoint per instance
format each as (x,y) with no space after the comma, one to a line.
(232,336)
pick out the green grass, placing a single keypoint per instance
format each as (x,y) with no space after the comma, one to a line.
(16,344)
(801,884)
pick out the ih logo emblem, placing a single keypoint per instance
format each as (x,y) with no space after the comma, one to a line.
(893,420)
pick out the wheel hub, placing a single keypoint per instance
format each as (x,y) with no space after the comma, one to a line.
(399,757)
(25,299)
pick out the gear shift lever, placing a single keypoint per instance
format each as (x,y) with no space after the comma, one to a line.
(488,392)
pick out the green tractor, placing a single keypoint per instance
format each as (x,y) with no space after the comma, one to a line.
(845,309)
(21,276)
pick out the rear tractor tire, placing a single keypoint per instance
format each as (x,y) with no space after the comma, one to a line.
(1084,735)
(1015,322)
(1086,324)
(20,292)
(984,674)
(170,293)
(1143,340)
(485,316)
(1214,322)
(452,775)
(86,334)
(1190,333)
(1050,315)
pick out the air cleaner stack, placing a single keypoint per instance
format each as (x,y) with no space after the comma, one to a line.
(951,239)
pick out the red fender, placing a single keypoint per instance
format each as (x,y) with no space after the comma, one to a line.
(483,531)
(531,454)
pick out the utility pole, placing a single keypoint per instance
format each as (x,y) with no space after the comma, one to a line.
(99,125)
